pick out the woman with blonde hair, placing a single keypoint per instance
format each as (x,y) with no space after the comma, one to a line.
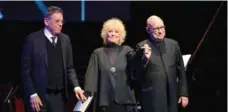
(107,75)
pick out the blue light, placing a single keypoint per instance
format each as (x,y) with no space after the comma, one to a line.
(41,6)
(1,15)
(82,10)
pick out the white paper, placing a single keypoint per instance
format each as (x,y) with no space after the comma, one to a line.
(186,59)
(81,107)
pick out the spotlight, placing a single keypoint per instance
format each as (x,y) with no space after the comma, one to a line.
(40,4)
(1,15)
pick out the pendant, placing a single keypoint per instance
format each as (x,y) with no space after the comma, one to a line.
(113,69)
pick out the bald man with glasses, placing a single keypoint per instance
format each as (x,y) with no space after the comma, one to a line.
(158,70)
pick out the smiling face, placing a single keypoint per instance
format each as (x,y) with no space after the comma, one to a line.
(156,28)
(54,23)
(113,36)
(53,19)
(113,31)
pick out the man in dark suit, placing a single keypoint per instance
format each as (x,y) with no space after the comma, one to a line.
(159,69)
(47,62)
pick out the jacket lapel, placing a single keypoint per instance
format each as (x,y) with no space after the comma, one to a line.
(43,47)
(63,46)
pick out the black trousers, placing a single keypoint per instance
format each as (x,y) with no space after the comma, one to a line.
(114,107)
(53,101)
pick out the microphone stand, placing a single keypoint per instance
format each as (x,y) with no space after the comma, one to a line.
(10,96)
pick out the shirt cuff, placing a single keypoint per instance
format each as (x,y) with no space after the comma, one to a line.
(33,95)
(76,88)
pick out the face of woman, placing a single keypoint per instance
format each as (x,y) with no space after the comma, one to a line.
(113,36)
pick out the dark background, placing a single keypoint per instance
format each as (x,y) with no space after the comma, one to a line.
(185,22)
(94,11)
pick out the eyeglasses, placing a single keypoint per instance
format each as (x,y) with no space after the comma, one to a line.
(156,28)
(57,21)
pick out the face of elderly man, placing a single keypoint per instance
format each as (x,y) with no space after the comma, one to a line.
(155,28)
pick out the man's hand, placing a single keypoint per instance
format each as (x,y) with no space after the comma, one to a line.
(147,51)
(35,103)
(79,93)
(184,101)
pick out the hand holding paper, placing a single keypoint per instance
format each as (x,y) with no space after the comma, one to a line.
(79,93)
(83,106)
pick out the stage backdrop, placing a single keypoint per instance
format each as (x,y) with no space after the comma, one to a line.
(74,11)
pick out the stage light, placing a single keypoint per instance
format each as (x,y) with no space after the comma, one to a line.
(1,15)
(82,10)
(40,4)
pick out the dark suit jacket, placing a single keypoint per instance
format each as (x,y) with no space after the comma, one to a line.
(158,79)
(34,64)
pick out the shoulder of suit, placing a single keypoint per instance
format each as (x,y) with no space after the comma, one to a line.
(98,50)
(35,35)
(128,48)
(169,40)
(63,35)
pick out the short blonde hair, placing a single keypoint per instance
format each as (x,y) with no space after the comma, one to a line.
(113,23)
